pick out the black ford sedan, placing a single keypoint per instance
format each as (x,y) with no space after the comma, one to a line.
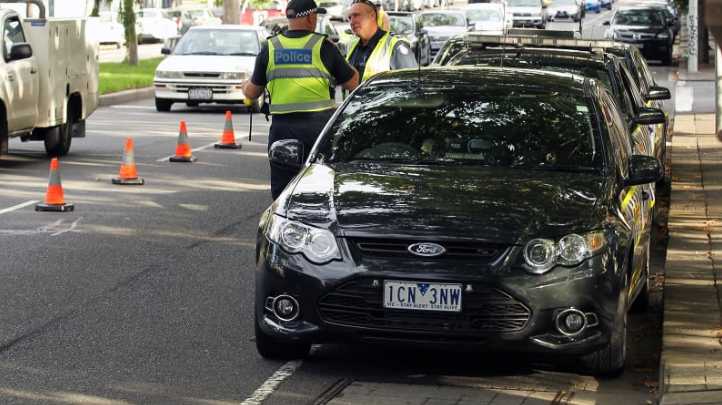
(461,208)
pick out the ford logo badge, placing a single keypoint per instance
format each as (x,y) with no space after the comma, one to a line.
(426,249)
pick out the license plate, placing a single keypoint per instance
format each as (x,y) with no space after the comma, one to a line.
(422,296)
(200,94)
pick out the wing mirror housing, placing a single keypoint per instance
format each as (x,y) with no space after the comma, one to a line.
(643,170)
(650,116)
(658,93)
(21,50)
(287,152)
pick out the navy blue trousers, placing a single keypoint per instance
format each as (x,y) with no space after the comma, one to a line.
(305,127)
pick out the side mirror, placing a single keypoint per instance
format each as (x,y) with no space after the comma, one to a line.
(165,51)
(650,116)
(348,31)
(605,22)
(658,93)
(21,50)
(288,152)
(643,170)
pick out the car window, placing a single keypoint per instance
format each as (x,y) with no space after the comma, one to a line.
(469,126)
(638,17)
(483,15)
(401,25)
(621,146)
(439,19)
(218,42)
(524,3)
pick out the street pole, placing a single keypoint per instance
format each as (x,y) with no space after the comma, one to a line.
(718,90)
(692,26)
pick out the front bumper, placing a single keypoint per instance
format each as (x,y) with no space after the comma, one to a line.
(343,303)
(202,92)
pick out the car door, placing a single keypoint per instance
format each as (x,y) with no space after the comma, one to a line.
(20,81)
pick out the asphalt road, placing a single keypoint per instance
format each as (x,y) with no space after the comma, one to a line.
(143,294)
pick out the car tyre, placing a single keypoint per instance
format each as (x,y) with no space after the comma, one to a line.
(273,349)
(667,57)
(609,360)
(57,140)
(641,303)
(163,105)
(4,137)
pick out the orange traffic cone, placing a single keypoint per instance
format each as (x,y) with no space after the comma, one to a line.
(54,199)
(183,150)
(128,174)
(228,140)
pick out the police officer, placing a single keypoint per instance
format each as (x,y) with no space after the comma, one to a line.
(375,50)
(298,68)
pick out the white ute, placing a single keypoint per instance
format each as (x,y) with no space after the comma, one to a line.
(48,77)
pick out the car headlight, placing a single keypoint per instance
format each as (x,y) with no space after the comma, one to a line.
(164,74)
(318,245)
(233,76)
(663,35)
(541,254)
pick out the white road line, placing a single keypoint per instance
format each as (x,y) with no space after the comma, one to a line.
(270,385)
(165,159)
(25,204)
(683,97)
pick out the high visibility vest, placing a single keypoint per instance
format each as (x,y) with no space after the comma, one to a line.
(380,18)
(380,58)
(297,79)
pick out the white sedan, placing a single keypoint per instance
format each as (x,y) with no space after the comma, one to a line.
(154,24)
(490,17)
(110,31)
(207,65)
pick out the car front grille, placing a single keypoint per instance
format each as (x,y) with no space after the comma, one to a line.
(201,75)
(359,303)
(634,36)
(455,251)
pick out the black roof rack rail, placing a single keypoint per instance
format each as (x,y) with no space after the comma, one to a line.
(536,32)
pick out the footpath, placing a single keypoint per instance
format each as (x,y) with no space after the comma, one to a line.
(691,358)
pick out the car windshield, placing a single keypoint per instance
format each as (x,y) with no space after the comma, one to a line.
(523,3)
(469,126)
(218,42)
(440,19)
(638,17)
(564,3)
(483,15)
(401,25)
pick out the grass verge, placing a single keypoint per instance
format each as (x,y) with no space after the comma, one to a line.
(119,76)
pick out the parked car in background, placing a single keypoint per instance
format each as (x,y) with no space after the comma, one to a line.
(208,65)
(593,5)
(441,25)
(407,25)
(530,244)
(670,13)
(324,25)
(252,14)
(527,13)
(491,17)
(605,4)
(565,9)
(335,9)
(191,17)
(154,25)
(110,31)
(645,27)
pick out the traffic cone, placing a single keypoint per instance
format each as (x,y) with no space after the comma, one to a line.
(54,200)
(183,150)
(228,140)
(128,174)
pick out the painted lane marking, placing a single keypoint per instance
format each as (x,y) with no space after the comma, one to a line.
(270,385)
(17,207)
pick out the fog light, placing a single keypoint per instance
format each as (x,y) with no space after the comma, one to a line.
(571,322)
(286,308)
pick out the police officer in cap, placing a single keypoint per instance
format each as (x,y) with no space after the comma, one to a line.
(299,68)
(375,50)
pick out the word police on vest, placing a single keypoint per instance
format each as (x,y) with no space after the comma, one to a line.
(302,8)
(292,56)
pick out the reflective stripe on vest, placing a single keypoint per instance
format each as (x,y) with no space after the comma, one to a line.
(380,58)
(297,79)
